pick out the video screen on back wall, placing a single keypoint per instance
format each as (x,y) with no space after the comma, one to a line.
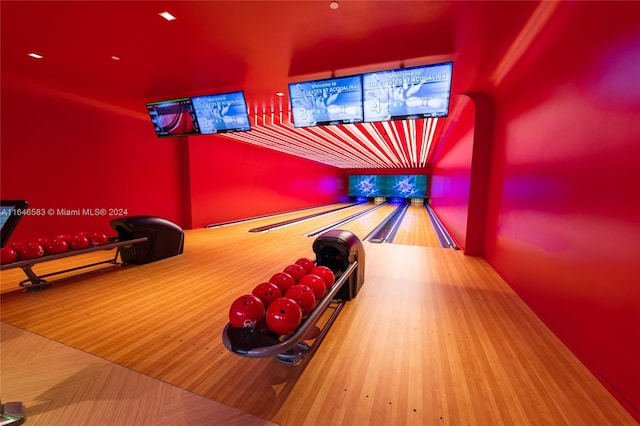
(367,186)
(407,186)
(392,186)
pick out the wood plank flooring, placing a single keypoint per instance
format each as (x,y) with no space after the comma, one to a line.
(416,229)
(61,385)
(433,338)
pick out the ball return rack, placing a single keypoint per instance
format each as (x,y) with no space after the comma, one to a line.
(343,253)
(37,282)
(141,239)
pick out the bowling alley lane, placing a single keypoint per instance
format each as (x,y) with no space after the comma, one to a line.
(305,225)
(416,229)
(250,223)
(363,225)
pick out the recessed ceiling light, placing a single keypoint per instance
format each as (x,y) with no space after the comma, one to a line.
(115,58)
(334,5)
(279,94)
(35,55)
(167,16)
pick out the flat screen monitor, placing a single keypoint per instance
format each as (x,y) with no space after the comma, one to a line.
(222,113)
(324,102)
(407,93)
(11,211)
(407,186)
(367,186)
(173,118)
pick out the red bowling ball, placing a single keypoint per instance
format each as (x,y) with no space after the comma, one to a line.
(283,316)
(306,263)
(316,284)
(30,251)
(326,274)
(56,246)
(40,240)
(282,280)
(267,292)
(66,237)
(16,245)
(303,296)
(8,255)
(97,239)
(296,271)
(78,242)
(246,311)
(102,238)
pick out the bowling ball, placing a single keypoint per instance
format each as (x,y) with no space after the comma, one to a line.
(56,246)
(102,238)
(282,280)
(30,251)
(326,274)
(97,239)
(303,296)
(16,245)
(267,292)
(283,316)
(66,237)
(8,255)
(316,284)
(78,242)
(246,311)
(306,263)
(40,240)
(296,271)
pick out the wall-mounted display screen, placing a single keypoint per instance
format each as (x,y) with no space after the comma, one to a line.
(407,93)
(222,113)
(324,102)
(173,118)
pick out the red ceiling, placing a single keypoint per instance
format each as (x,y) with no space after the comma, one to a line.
(259,47)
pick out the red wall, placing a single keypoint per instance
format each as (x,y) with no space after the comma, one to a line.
(234,180)
(563,223)
(60,151)
(451,170)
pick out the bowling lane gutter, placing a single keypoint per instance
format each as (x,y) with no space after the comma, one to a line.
(388,228)
(298,219)
(443,236)
(342,221)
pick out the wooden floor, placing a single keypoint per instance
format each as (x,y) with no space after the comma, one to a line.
(61,385)
(433,338)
